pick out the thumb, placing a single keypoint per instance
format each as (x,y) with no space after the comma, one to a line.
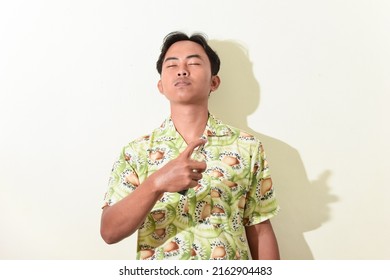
(192,146)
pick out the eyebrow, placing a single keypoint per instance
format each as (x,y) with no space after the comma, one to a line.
(188,57)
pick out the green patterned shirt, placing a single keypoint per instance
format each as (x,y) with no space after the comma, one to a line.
(208,221)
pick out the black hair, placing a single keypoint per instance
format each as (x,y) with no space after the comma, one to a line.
(198,38)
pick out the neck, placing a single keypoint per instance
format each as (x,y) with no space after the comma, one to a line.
(190,122)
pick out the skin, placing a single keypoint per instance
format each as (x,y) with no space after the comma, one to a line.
(186,81)
(262,241)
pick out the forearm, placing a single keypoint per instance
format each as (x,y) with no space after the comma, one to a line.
(123,218)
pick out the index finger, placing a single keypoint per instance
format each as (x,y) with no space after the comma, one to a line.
(192,146)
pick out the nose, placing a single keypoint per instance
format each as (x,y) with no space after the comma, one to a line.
(183,73)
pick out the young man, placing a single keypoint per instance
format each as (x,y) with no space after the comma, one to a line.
(194,188)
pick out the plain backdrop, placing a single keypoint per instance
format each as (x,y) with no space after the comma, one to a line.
(309,78)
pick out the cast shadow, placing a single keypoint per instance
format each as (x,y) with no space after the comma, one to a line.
(304,204)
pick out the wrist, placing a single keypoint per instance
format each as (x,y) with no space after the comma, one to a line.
(153,186)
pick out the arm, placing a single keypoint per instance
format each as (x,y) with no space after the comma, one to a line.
(125,217)
(262,241)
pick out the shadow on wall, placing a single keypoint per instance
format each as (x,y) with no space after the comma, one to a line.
(304,204)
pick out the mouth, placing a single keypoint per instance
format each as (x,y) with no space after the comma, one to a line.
(182,83)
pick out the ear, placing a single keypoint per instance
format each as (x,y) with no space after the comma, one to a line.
(160,87)
(215,82)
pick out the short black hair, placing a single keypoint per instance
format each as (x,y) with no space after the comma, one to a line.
(198,38)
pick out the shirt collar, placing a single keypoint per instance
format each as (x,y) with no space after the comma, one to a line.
(214,128)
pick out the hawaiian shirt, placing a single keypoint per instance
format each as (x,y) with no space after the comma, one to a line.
(208,222)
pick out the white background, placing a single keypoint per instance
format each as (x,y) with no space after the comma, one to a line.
(310,78)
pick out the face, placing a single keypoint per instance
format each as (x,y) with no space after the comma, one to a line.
(186,74)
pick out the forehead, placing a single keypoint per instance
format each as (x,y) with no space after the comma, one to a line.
(184,49)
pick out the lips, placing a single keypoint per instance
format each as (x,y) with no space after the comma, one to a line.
(182,82)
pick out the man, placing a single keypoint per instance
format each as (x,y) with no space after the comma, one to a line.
(194,188)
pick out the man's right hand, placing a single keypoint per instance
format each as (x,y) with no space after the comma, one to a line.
(181,173)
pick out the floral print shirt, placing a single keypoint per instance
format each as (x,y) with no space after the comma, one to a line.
(208,221)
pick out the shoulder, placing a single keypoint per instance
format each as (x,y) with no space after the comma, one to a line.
(240,135)
(144,142)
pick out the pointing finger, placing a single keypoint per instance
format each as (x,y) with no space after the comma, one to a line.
(192,146)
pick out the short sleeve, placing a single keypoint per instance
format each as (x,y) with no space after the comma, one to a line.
(261,203)
(123,179)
